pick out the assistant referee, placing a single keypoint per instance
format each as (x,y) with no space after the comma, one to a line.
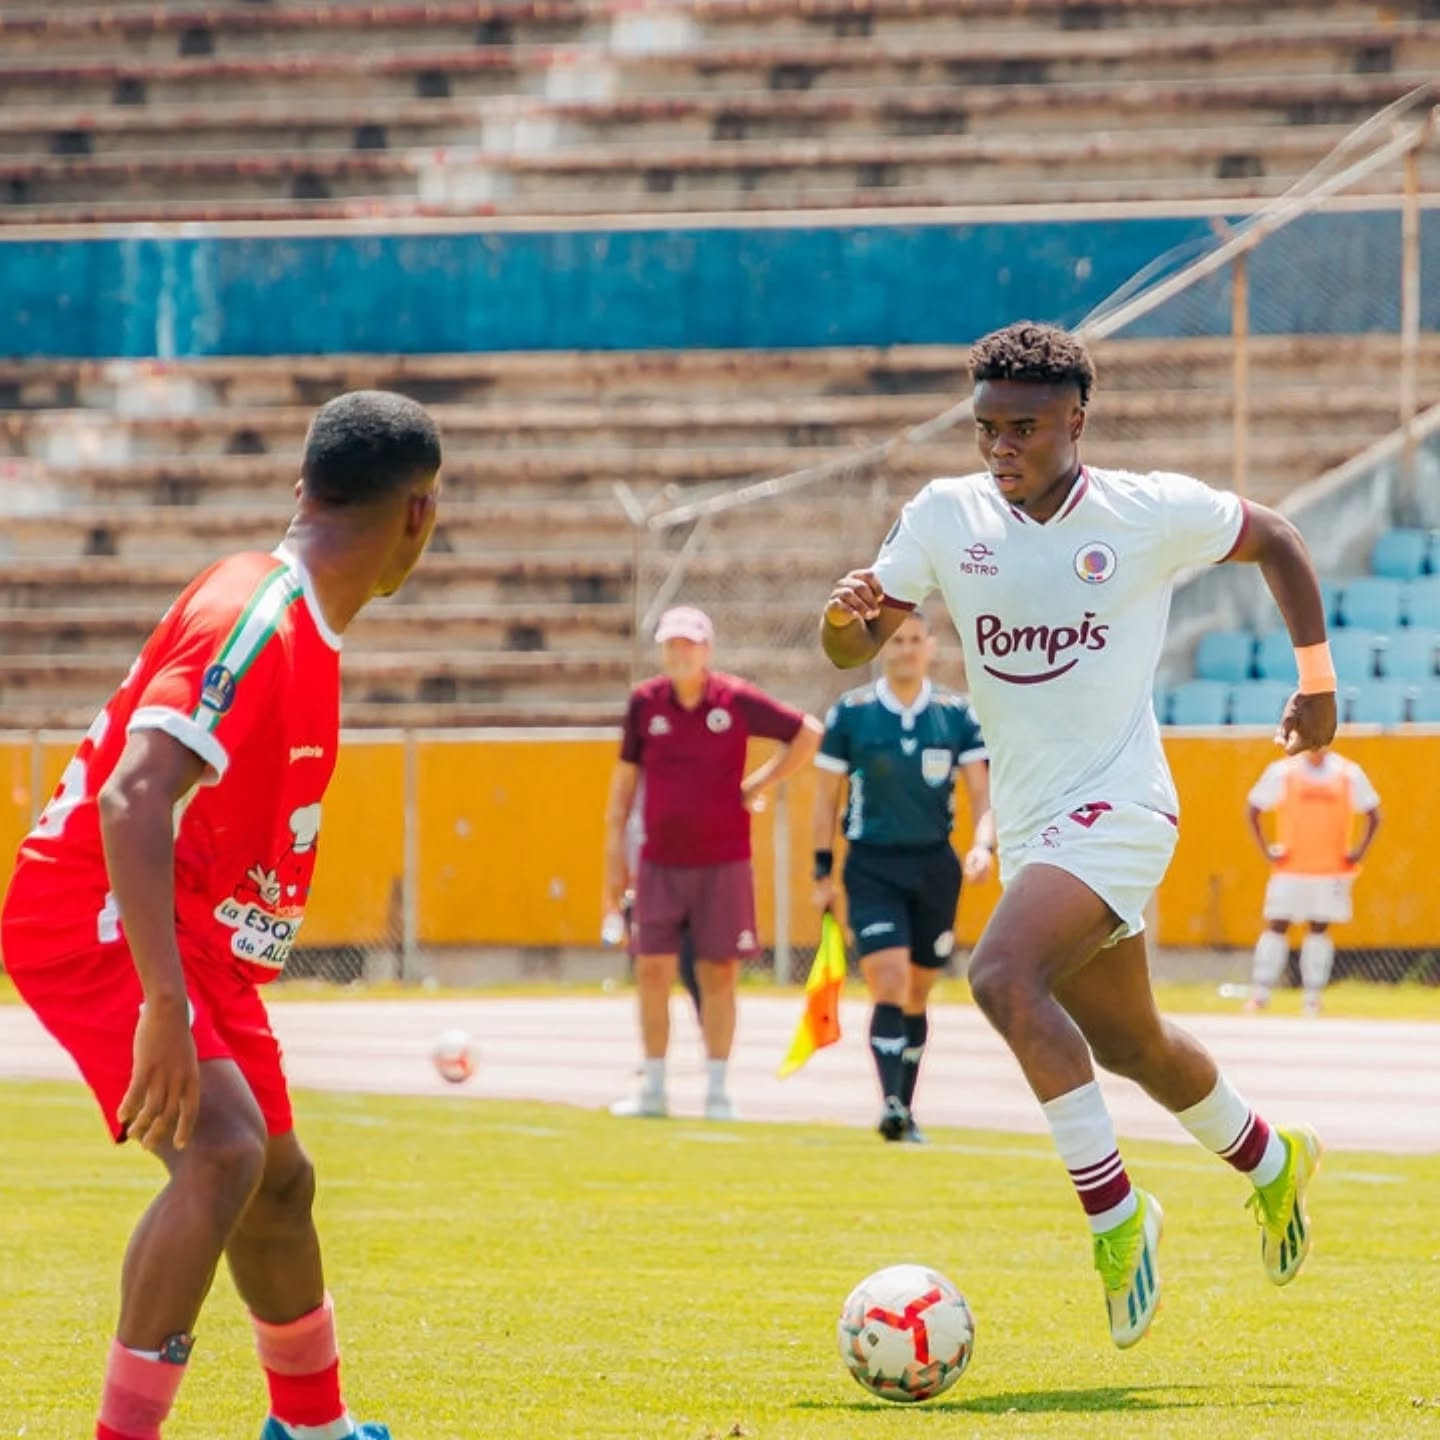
(899,744)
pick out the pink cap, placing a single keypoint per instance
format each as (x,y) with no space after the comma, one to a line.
(685,622)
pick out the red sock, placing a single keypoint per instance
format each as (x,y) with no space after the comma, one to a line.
(138,1394)
(302,1367)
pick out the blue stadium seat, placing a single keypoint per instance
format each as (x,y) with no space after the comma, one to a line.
(1425,603)
(1330,598)
(1410,655)
(1275,657)
(1354,654)
(1160,698)
(1400,554)
(1224,655)
(1425,708)
(1372,603)
(1199,702)
(1259,702)
(1380,702)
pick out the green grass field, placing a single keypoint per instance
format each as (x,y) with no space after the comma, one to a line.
(526,1272)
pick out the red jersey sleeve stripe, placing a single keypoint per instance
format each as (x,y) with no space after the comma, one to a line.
(895,604)
(1240,533)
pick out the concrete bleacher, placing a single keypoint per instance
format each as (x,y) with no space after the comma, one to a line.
(120,479)
(553,107)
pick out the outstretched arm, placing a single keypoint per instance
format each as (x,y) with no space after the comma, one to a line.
(1275,545)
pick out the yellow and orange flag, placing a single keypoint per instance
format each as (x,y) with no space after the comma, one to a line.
(820,1024)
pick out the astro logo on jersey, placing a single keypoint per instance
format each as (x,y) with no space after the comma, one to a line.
(217,689)
(980,560)
(998,641)
(1095,563)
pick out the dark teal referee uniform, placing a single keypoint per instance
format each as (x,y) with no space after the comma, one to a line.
(902,878)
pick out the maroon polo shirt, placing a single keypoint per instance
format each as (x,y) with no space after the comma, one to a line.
(693,762)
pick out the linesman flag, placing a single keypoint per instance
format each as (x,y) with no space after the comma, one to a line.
(820,1024)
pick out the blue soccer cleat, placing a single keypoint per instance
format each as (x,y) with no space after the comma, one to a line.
(275,1430)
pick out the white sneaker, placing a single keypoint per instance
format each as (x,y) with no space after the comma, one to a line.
(644,1104)
(720,1107)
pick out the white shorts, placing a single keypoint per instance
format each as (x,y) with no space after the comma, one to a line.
(1324,899)
(1120,851)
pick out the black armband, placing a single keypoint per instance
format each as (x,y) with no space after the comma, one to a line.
(824,864)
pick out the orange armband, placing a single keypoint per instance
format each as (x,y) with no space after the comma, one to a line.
(1317,669)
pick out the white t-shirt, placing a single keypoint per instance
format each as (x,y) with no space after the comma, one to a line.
(1062,625)
(1270,787)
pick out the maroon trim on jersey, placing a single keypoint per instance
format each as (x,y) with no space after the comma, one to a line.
(895,604)
(1076,495)
(1240,535)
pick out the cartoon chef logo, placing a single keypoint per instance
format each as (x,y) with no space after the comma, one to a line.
(268,904)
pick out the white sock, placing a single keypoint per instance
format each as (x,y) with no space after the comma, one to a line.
(654,1082)
(1317,959)
(1226,1126)
(1272,950)
(716,1069)
(1084,1136)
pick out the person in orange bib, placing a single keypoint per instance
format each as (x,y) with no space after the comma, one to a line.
(1315,797)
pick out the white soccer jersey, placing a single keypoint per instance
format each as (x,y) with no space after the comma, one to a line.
(1062,625)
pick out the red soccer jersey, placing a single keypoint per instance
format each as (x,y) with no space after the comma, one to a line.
(694,761)
(244,671)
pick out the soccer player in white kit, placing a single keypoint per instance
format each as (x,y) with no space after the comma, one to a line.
(1058,577)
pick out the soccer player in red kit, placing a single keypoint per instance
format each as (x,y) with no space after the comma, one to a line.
(166,881)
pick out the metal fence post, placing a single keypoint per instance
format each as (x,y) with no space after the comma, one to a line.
(410,865)
(782,883)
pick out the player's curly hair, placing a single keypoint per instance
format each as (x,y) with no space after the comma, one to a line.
(1028,350)
(365,444)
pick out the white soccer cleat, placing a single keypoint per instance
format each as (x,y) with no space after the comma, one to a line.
(644,1105)
(720,1107)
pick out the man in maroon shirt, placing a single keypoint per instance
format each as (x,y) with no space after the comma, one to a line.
(687,729)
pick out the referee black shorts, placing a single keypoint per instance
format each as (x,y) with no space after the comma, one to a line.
(903,897)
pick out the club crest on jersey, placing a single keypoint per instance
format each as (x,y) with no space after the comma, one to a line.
(659,725)
(217,689)
(718,720)
(1095,563)
(935,766)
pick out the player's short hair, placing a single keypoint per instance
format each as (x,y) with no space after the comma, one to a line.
(365,445)
(1041,354)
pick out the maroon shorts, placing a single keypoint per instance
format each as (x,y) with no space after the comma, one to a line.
(715,902)
(90,1003)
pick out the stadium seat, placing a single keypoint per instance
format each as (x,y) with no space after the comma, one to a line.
(1354,655)
(1380,702)
(1224,655)
(1200,702)
(1410,654)
(1372,603)
(1425,603)
(1160,698)
(1330,598)
(1259,702)
(1400,554)
(1275,657)
(1425,707)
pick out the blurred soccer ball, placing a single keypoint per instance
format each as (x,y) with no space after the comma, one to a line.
(454,1056)
(906,1333)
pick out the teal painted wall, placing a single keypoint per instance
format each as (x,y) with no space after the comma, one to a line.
(873,284)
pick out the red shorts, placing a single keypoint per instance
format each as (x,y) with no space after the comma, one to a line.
(90,1002)
(716,903)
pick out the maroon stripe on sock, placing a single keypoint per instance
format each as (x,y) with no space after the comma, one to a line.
(1104,1191)
(1246,1152)
(306,1399)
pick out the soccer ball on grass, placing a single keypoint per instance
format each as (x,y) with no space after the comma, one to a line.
(906,1333)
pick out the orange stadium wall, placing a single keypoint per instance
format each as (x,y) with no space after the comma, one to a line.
(508,834)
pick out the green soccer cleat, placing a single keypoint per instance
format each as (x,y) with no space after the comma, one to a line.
(1280,1207)
(1128,1261)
